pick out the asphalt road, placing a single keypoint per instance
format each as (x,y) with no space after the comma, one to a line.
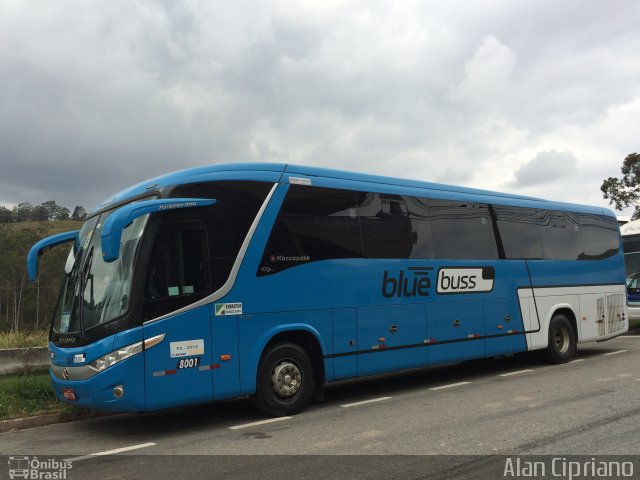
(507,407)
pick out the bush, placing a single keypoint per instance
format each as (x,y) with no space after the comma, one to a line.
(32,338)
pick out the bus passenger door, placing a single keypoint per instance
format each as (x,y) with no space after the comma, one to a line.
(178,369)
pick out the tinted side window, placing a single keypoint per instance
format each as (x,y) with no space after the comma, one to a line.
(559,235)
(631,243)
(462,230)
(394,226)
(519,233)
(600,236)
(177,274)
(228,220)
(314,224)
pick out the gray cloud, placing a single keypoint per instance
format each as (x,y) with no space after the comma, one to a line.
(545,168)
(98,96)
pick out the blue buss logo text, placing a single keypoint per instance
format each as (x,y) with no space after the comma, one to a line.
(414,283)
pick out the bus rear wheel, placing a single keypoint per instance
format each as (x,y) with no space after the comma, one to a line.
(285,382)
(562,340)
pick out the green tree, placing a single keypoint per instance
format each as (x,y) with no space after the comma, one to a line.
(52,208)
(63,214)
(25,304)
(14,245)
(6,216)
(39,214)
(625,192)
(79,213)
(22,213)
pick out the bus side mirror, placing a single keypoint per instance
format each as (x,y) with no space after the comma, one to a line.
(121,218)
(44,244)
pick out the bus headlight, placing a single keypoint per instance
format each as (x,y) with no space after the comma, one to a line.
(116,356)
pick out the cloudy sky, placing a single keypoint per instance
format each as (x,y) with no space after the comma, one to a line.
(535,97)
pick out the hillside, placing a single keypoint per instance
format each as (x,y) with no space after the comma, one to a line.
(24,304)
(48,228)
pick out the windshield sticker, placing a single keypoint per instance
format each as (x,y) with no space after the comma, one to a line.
(223,309)
(188,348)
(173,291)
(64,321)
(299,181)
(87,240)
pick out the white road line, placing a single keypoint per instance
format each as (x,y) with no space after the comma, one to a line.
(577,360)
(616,352)
(442,387)
(111,452)
(261,422)
(515,373)
(631,336)
(355,404)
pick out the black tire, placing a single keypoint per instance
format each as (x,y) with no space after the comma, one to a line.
(562,340)
(285,382)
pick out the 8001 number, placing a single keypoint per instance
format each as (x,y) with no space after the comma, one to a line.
(188,362)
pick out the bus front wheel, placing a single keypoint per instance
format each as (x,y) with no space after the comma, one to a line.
(562,340)
(285,382)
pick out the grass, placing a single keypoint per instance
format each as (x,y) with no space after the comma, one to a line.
(28,395)
(33,338)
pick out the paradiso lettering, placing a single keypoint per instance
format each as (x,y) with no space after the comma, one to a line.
(178,205)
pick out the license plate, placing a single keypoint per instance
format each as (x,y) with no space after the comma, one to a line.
(69,394)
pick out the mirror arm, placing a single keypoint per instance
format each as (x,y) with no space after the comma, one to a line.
(111,235)
(45,244)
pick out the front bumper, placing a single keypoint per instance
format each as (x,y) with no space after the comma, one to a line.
(634,310)
(97,393)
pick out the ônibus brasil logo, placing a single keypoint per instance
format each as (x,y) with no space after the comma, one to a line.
(34,468)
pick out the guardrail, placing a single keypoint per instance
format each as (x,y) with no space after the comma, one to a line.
(21,360)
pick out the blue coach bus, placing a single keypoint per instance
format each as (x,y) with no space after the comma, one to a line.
(271,280)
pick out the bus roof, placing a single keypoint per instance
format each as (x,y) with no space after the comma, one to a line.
(275,172)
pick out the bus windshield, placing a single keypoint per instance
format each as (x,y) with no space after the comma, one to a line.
(94,291)
(631,248)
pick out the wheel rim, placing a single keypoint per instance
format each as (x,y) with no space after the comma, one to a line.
(286,379)
(562,339)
